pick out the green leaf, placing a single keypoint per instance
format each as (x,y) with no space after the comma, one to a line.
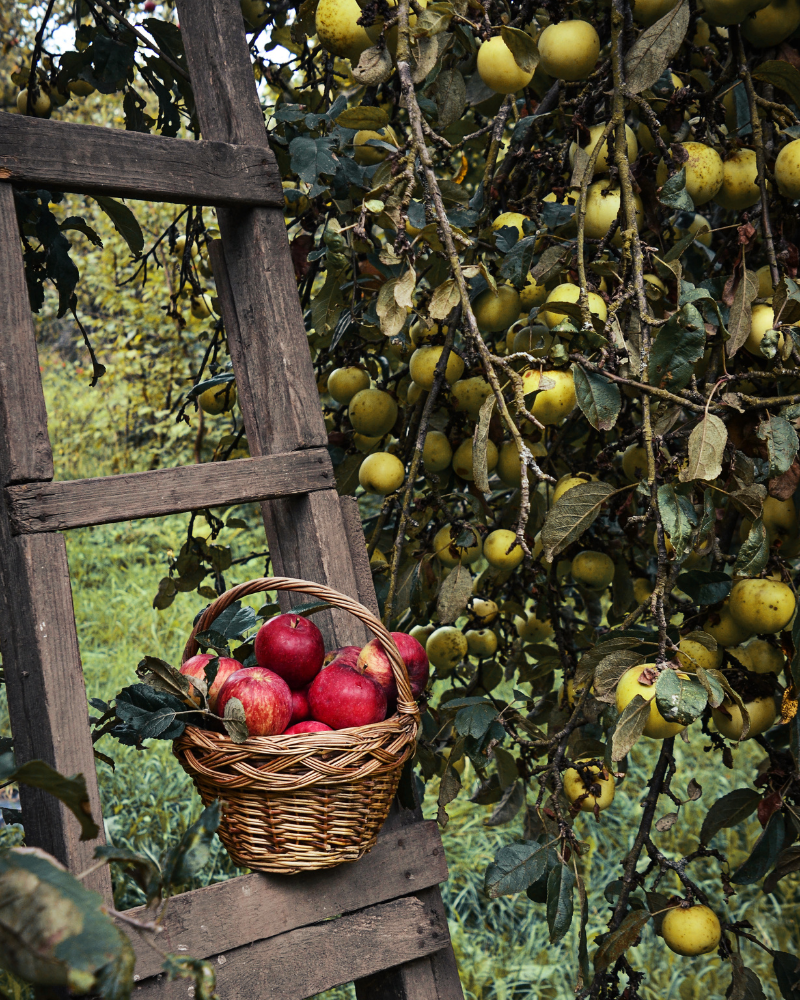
(782,443)
(513,799)
(750,500)
(618,941)
(152,714)
(71,791)
(678,347)
(712,687)
(515,867)
(788,862)
(705,587)
(523,48)
(598,397)
(124,222)
(560,885)
(609,671)
(474,720)
(630,727)
(312,157)
(782,75)
(516,263)
(706,447)
(650,54)
(679,700)
(678,517)
(574,512)
(764,854)
(674,194)
(363,117)
(192,852)
(754,552)
(745,984)
(81,226)
(787,973)
(727,811)
(740,320)
(54,932)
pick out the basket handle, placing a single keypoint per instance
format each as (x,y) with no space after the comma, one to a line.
(405,699)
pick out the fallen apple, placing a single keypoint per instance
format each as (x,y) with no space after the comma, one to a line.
(264,696)
(342,696)
(195,666)
(292,647)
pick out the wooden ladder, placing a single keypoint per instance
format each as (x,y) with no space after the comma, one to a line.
(269,935)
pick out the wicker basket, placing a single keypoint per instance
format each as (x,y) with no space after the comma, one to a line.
(310,800)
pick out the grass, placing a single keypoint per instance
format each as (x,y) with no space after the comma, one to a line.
(501,945)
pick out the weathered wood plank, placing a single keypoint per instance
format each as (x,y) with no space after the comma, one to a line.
(306,534)
(304,962)
(432,977)
(232,914)
(24,445)
(44,681)
(37,507)
(96,160)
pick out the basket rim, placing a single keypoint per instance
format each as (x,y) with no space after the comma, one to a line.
(406,705)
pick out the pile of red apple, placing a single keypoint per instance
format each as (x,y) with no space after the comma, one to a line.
(298,688)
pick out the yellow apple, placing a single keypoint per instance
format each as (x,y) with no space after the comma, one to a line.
(569,50)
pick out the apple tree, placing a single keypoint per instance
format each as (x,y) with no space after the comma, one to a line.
(548,257)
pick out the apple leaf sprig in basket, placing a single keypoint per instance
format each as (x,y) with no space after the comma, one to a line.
(261,674)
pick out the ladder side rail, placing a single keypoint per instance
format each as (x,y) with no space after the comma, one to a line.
(44,679)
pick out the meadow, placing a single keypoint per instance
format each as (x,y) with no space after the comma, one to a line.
(502,945)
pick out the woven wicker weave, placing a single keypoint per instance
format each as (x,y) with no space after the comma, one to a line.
(310,800)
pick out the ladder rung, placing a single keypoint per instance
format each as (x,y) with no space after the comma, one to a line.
(406,859)
(75,503)
(95,160)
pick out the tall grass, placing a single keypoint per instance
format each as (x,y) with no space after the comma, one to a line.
(501,945)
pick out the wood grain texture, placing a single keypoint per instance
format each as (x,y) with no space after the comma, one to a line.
(232,914)
(46,694)
(432,977)
(37,507)
(304,962)
(306,534)
(358,553)
(96,160)
(24,444)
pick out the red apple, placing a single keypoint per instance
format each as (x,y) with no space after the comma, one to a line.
(341,696)
(149,6)
(348,654)
(292,646)
(300,707)
(195,666)
(375,663)
(265,697)
(310,726)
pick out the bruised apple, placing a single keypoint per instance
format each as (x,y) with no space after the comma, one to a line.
(264,696)
(342,696)
(310,726)
(374,662)
(292,647)
(195,666)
